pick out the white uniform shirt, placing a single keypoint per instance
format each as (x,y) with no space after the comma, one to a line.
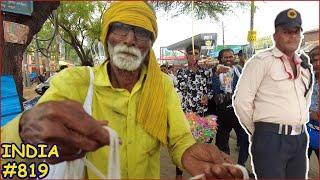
(268,92)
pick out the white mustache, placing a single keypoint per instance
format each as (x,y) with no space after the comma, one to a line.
(126,58)
(123,49)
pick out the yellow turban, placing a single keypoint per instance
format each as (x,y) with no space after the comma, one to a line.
(152,109)
(135,13)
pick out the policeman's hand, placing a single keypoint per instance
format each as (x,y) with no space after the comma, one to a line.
(65,124)
(207,159)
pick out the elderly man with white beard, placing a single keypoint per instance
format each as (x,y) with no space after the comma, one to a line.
(131,95)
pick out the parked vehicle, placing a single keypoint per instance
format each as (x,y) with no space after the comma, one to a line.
(42,87)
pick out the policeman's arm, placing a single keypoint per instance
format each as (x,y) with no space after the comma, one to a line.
(246,90)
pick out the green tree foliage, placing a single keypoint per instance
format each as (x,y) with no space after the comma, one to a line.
(44,42)
(44,39)
(202,9)
(80,26)
(77,24)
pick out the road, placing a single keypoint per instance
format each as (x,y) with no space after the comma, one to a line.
(167,169)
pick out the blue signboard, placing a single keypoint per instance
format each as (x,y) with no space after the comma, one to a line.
(215,52)
(10,103)
(17,7)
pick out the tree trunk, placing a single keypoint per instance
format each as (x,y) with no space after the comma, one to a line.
(58,52)
(13,53)
(78,47)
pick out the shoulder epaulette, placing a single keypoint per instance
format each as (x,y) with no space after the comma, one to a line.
(264,54)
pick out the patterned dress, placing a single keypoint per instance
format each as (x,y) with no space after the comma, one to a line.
(193,86)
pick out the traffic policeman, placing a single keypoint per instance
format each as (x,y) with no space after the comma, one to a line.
(272,103)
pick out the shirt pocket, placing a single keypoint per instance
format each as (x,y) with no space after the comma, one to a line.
(150,144)
(281,81)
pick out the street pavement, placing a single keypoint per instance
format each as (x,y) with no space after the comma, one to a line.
(167,169)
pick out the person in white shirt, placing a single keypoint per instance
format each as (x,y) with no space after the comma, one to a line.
(272,102)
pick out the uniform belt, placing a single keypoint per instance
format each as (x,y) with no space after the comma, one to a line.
(279,128)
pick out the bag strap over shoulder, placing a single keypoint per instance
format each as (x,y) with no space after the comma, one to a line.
(114,159)
(87,105)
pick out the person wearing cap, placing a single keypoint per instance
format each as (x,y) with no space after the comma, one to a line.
(131,95)
(272,102)
(194,83)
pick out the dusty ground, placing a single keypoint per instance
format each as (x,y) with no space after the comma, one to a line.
(168,169)
(29,93)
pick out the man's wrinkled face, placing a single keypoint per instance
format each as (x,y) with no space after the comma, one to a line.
(193,59)
(227,58)
(128,46)
(287,39)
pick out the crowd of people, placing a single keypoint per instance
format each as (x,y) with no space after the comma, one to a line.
(210,90)
(147,107)
(207,91)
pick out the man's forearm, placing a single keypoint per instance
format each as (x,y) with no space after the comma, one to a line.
(244,112)
(245,118)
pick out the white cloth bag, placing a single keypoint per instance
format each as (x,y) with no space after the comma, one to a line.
(76,169)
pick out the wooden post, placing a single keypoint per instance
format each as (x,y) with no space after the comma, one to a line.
(1,40)
(25,70)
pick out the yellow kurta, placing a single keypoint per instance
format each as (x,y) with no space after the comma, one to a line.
(139,152)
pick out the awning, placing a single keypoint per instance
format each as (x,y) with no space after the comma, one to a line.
(215,52)
(199,40)
(308,46)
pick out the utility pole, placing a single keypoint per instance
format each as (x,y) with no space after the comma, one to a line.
(222,34)
(192,28)
(252,10)
(251,16)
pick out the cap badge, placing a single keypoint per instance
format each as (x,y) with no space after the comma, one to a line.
(292,14)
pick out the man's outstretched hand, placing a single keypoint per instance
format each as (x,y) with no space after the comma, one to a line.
(65,124)
(208,159)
